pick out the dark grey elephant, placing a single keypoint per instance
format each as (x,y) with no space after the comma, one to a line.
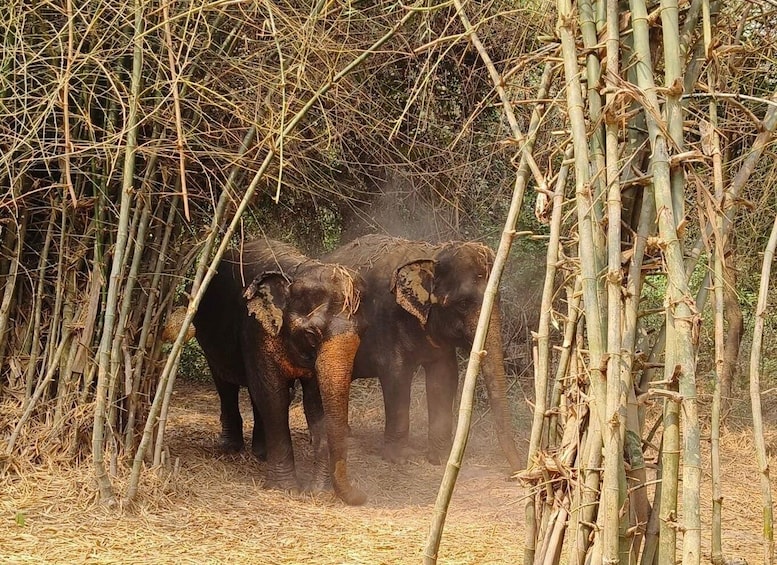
(421,302)
(272,315)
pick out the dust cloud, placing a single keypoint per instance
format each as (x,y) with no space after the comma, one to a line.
(404,211)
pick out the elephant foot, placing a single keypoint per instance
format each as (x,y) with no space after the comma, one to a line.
(438,455)
(395,453)
(288,485)
(259,451)
(353,496)
(319,484)
(230,444)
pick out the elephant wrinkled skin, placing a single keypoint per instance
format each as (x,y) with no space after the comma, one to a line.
(272,315)
(421,302)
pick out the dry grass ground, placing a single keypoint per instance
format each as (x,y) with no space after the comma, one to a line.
(210,508)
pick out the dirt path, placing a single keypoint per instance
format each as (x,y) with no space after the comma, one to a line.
(209,508)
(212,509)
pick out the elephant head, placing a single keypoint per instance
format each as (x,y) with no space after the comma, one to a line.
(310,318)
(445,293)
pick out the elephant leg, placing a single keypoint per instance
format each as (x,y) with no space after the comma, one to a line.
(272,400)
(442,379)
(314,414)
(231,439)
(396,385)
(258,440)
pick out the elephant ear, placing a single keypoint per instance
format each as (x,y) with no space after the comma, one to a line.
(413,287)
(266,298)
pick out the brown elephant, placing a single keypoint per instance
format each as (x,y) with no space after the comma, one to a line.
(272,315)
(421,302)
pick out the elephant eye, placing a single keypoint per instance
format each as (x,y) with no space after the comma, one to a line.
(462,305)
(312,337)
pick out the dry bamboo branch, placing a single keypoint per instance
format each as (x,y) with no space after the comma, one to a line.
(66,103)
(180,139)
(507,106)
(465,408)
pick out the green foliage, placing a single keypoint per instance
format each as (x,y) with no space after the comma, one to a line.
(192,366)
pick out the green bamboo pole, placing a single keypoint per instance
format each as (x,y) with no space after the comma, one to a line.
(615,417)
(680,324)
(673,109)
(104,352)
(590,267)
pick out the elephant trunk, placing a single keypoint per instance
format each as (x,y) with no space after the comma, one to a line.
(334,366)
(496,383)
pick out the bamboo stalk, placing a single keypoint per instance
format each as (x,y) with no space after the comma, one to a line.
(542,337)
(673,109)
(589,34)
(130,279)
(66,383)
(180,139)
(119,259)
(633,292)
(59,297)
(38,306)
(755,398)
(652,530)
(680,317)
(718,262)
(66,103)
(612,494)
(562,370)
(590,267)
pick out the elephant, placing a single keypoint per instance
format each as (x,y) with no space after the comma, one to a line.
(272,315)
(422,301)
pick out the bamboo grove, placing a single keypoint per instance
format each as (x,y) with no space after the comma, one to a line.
(649,173)
(139,139)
